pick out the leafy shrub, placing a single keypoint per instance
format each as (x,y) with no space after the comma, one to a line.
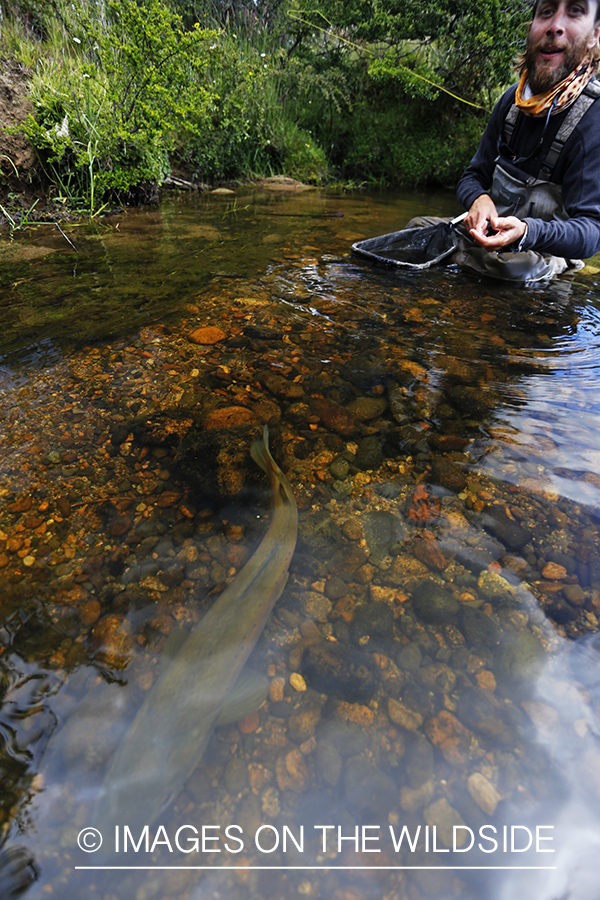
(249,131)
(231,137)
(107,118)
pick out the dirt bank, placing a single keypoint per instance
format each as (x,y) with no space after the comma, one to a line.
(15,150)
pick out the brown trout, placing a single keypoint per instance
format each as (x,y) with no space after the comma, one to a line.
(169,734)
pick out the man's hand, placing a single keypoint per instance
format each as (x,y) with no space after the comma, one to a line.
(483,215)
(508,230)
(478,219)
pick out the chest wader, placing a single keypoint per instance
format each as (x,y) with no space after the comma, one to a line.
(528,196)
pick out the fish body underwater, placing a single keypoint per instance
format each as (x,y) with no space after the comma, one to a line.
(170,732)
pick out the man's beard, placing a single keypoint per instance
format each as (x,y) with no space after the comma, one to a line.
(540,78)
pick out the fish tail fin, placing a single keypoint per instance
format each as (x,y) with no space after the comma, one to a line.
(261,454)
(282,492)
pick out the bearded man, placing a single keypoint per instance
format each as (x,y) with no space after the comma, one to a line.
(532,190)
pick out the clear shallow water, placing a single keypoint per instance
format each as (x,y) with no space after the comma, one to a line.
(440,436)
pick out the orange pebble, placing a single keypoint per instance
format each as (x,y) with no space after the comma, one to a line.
(249,724)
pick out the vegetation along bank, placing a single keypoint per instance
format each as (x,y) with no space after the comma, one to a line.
(105,100)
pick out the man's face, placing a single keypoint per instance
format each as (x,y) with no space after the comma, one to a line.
(561,33)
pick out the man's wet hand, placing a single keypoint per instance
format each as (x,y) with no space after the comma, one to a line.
(505,231)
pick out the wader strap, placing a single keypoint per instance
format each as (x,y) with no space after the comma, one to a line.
(510,122)
(588,96)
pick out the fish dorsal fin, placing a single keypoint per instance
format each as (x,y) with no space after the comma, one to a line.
(247,695)
(173,644)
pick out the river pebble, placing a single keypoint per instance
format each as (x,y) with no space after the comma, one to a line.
(297,682)
(483,793)
(403,716)
(445,819)
(208,334)
(435,604)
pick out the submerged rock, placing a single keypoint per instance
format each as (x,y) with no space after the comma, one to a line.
(434,604)
(207,334)
(496,589)
(374,621)
(481,712)
(447,733)
(401,715)
(282,388)
(518,657)
(367,408)
(217,462)
(445,819)
(320,536)
(338,670)
(448,473)
(418,761)
(483,793)
(382,530)
(236,775)
(303,721)
(479,628)
(509,532)
(230,417)
(398,402)
(333,416)
(370,793)
(427,549)
(339,468)
(328,762)
(369,454)
(560,611)
(409,657)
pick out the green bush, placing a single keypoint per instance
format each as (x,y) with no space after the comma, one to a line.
(107,117)
(414,141)
(232,138)
(234,88)
(130,87)
(387,88)
(248,131)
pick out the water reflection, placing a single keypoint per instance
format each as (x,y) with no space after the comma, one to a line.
(565,715)
(428,662)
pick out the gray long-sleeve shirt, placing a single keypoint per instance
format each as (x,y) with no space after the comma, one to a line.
(577,170)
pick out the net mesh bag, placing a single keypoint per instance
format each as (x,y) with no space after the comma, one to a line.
(413,248)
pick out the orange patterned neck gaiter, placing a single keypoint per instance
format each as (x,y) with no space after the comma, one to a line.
(561,95)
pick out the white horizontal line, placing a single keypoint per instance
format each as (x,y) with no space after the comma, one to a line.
(332,868)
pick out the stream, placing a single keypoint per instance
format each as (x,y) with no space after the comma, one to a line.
(431,723)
